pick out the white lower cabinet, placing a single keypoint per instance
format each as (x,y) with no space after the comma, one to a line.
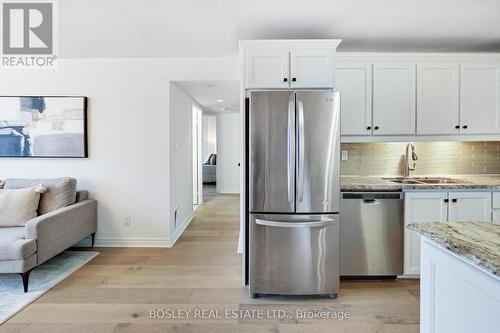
(421,207)
(440,206)
(469,206)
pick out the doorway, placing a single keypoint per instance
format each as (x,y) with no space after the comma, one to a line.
(197,156)
(209,153)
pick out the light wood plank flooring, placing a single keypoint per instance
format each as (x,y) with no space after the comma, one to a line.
(116,291)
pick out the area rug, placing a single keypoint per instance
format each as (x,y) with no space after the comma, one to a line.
(42,279)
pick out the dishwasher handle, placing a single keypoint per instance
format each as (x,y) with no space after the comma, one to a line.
(370,197)
(371,201)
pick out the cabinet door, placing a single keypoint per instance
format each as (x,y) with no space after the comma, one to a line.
(495,216)
(470,206)
(311,68)
(421,207)
(354,81)
(438,99)
(480,98)
(267,68)
(393,99)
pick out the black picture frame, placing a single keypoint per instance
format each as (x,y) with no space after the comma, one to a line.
(85,153)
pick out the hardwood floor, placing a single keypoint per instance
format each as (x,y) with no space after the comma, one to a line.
(116,291)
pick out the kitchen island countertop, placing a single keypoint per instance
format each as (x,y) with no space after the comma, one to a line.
(476,242)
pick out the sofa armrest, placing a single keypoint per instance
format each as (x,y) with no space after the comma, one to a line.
(56,231)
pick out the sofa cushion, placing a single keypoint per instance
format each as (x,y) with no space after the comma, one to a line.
(61,192)
(18,206)
(13,245)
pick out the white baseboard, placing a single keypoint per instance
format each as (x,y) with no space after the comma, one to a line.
(229,191)
(144,242)
(178,232)
(132,242)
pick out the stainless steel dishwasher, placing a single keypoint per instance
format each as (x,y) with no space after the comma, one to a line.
(371,234)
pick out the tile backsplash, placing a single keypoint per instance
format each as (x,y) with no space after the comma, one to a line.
(434,158)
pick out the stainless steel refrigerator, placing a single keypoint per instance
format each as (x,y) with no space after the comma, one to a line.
(294,192)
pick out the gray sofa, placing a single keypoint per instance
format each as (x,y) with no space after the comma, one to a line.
(65,217)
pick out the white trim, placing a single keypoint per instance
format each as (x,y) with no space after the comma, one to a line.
(228,191)
(289,43)
(145,242)
(132,242)
(448,57)
(417,138)
(178,232)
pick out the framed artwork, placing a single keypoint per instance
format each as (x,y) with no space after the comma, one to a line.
(38,126)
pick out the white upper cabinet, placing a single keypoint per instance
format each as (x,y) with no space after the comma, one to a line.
(469,206)
(394,99)
(480,98)
(288,63)
(267,68)
(438,88)
(311,68)
(354,81)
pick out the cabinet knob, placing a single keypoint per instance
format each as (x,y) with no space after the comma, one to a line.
(294,79)
(375,128)
(457,127)
(454,200)
(285,79)
(464,127)
(369,128)
(446,200)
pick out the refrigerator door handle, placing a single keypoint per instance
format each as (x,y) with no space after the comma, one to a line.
(290,150)
(300,158)
(308,224)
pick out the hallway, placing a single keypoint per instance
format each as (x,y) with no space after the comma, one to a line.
(116,291)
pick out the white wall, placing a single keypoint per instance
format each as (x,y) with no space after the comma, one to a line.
(229,136)
(129,143)
(209,133)
(181,157)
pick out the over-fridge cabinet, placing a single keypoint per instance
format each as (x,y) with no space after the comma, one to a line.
(289,64)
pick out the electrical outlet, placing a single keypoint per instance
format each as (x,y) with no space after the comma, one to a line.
(127,221)
(345,155)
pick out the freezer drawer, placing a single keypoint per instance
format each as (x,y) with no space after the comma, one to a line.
(294,254)
(371,234)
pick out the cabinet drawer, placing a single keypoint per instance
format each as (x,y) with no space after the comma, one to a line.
(496,200)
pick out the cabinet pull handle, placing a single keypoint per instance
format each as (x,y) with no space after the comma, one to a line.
(446,200)
(454,200)
(375,128)
(285,79)
(294,79)
(464,127)
(457,127)
(369,128)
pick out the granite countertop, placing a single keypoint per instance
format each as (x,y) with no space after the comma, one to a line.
(378,183)
(478,242)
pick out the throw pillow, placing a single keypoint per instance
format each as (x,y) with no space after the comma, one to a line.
(18,206)
(61,192)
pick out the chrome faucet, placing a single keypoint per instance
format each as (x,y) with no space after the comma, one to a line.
(414,157)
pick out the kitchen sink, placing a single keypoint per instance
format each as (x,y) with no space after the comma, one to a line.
(439,180)
(425,180)
(402,180)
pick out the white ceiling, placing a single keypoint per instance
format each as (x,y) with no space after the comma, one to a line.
(166,28)
(206,93)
